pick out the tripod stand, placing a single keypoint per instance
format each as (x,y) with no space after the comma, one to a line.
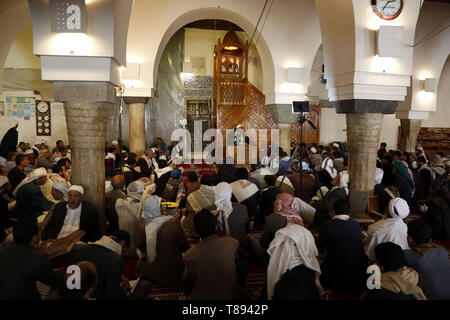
(300,145)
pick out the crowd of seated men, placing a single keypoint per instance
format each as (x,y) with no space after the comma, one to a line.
(201,228)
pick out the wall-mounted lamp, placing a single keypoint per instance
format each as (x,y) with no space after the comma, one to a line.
(429,84)
(132,71)
(295,75)
(390,41)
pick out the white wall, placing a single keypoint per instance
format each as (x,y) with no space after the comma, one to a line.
(352,66)
(441,118)
(432,48)
(317,88)
(290,37)
(21,52)
(332,124)
(27,128)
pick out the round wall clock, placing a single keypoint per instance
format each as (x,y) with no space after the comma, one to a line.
(42,107)
(387,9)
(43,118)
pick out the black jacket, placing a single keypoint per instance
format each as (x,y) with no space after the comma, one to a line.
(89,222)
(346,262)
(403,186)
(9,142)
(20,267)
(109,270)
(268,198)
(438,218)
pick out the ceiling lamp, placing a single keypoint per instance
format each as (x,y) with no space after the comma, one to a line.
(231,48)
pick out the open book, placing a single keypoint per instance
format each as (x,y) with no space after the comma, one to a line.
(64,245)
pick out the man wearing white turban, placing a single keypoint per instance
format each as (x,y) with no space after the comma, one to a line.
(59,192)
(391,229)
(165,242)
(30,199)
(232,217)
(129,211)
(292,246)
(73,215)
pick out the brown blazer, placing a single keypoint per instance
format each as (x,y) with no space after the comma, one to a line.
(308,186)
(212,266)
(168,266)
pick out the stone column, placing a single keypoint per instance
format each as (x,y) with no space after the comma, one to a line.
(285,137)
(363,136)
(112,126)
(137,123)
(409,132)
(282,115)
(364,121)
(86,106)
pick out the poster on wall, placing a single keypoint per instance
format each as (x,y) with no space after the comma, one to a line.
(20,107)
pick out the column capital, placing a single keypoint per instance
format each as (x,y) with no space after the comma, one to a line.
(77,91)
(412,115)
(366,106)
(133,100)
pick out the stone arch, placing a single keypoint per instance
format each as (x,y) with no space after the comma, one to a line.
(430,56)
(222,14)
(15,18)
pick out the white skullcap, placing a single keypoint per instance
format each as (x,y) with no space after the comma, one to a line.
(115,142)
(150,208)
(313,150)
(14,122)
(77,188)
(239,126)
(335,145)
(57,159)
(62,187)
(3,180)
(163,157)
(29,151)
(39,141)
(153,150)
(136,189)
(398,208)
(37,173)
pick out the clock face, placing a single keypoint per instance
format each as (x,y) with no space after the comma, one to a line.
(42,107)
(388,9)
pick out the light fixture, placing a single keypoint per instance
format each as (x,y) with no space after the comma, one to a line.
(295,75)
(390,41)
(429,84)
(231,48)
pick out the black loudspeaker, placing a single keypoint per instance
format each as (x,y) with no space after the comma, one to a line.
(300,107)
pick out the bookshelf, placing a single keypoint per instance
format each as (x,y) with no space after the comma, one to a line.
(434,140)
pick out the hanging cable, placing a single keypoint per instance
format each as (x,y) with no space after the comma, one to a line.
(432,34)
(259,35)
(256,28)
